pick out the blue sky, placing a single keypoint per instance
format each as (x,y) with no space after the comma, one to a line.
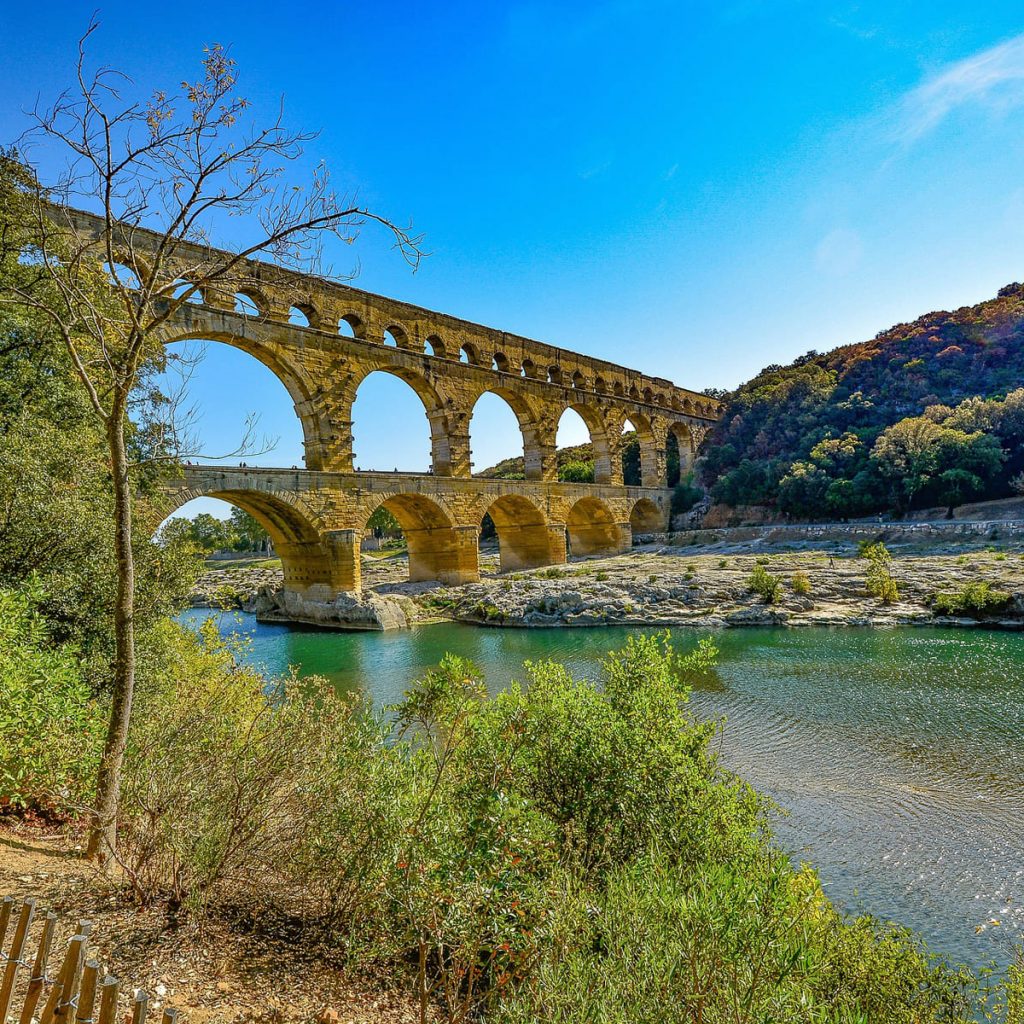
(694,189)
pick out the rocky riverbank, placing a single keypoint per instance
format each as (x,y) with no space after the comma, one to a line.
(657,585)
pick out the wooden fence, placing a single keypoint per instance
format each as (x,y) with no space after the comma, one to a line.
(76,994)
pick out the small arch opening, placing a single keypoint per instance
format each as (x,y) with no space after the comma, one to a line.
(246,305)
(591,529)
(578,380)
(391,337)
(122,276)
(554,375)
(182,288)
(500,362)
(434,346)
(524,541)
(297,317)
(645,519)
(350,326)
(528,368)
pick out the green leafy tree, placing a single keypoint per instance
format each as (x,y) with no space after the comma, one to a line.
(383,523)
(246,532)
(576,472)
(956,486)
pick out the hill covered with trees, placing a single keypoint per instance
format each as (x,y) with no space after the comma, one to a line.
(926,413)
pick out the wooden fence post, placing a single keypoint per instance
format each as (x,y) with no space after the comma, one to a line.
(14,958)
(140,1006)
(38,979)
(63,993)
(108,1001)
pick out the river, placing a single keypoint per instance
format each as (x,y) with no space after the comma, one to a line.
(897,755)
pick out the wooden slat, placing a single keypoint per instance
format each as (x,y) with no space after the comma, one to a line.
(140,1007)
(87,993)
(108,1001)
(170,1016)
(38,980)
(5,919)
(59,1003)
(17,950)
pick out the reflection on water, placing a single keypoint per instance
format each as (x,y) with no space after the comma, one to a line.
(898,754)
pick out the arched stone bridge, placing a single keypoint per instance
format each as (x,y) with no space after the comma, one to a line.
(317,519)
(322,339)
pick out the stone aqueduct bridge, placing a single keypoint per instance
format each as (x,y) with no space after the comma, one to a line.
(323,339)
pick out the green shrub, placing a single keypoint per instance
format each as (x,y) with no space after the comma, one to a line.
(764,584)
(744,941)
(973,599)
(879,581)
(685,495)
(51,726)
(800,584)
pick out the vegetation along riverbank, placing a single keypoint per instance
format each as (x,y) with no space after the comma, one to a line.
(727,583)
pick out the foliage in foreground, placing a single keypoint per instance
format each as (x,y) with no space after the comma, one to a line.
(567,850)
(50,725)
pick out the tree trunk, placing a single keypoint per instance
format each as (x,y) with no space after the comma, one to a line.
(103,828)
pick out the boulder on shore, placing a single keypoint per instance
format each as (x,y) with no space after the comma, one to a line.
(346,611)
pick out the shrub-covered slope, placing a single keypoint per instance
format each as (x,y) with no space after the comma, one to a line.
(891,423)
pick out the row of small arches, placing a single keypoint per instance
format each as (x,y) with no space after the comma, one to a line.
(350,325)
(249,302)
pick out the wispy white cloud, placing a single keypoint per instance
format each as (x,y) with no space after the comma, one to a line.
(839,253)
(992,79)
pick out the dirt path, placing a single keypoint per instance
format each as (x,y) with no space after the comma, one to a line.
(230,970)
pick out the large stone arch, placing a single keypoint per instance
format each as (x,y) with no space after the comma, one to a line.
(652,451)
(438,548)
(600,442)
(646,517)
(441,454)
(683,436)
(592,528)
(525,538)
(317,431)
(311,564)
(537,447)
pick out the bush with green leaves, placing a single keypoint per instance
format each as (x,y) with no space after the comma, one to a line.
(800,584)
(979,598)
(879,580)
(51,726)
(766,585)
(568,850)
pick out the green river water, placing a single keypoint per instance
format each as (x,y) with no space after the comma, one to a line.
(898,755)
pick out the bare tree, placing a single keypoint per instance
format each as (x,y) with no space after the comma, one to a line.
(162,174)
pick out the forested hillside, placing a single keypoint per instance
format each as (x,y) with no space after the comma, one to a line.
(926,413)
